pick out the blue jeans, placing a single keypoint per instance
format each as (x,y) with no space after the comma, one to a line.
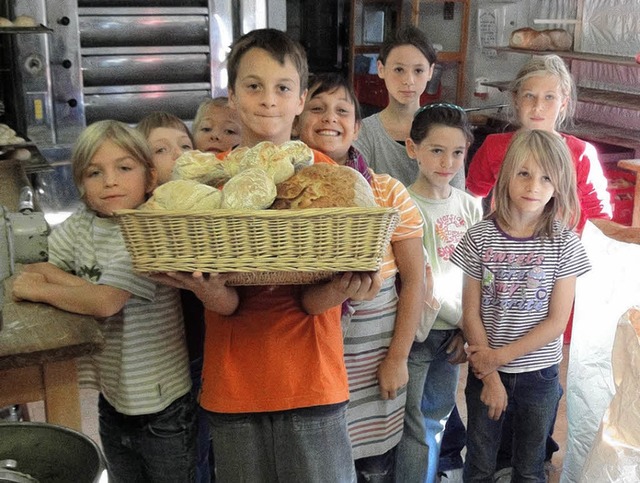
(533,397)
(307,444)
(431,395)
(454,440)
(158,447)
(205,469)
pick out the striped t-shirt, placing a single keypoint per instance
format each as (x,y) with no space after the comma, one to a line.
(144,365)
(518,276)
(391,193)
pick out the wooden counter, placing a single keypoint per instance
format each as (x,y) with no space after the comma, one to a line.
(38,348)
(39,343)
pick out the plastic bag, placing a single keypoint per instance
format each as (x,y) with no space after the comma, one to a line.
(615,454)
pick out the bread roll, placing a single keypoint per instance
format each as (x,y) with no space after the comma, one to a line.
(184,195)
(5,22)
(297,152)
(324,186)
(530,39)
(271,159)
(24,21)
(560,38)
(252,189)
(198,166)
(234,159)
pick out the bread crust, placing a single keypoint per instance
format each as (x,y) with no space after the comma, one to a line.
(324,186)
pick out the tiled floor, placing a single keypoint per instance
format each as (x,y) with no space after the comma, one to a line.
(89,404)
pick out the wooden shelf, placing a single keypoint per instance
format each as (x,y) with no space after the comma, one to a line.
(609,98)
(622,100)
(607,59)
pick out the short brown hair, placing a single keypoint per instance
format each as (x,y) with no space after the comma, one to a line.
(220,101)
(277,43)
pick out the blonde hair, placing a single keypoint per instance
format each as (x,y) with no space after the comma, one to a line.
(162,119)
(551,153)
(123,136)
(548,65)
(221,101)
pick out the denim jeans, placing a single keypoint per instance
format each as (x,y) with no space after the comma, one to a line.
(431,395)
(205,468)
(505,451)
(158,447)
(308,444)
(454,440)
(533,398)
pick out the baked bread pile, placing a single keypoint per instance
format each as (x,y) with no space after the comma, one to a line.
(245,180)
(324,186)
(540,40)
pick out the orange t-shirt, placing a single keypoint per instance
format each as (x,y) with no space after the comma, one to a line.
(270,355)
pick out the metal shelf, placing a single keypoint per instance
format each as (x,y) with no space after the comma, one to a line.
(39,29)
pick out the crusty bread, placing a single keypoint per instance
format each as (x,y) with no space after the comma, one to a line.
(24,21)
(5,22)
(324,186)
(252,189)
(201,167)
(184,194)
(560,38)
(530,39)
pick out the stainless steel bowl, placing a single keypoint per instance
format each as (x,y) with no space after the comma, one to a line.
(52,454)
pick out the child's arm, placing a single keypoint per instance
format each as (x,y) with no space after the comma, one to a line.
(209,288)
(53,274)
(494,394)
(350,285)
(393,372)
(53,286)
(485,360)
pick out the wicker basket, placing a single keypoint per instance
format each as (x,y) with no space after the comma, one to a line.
(265,247)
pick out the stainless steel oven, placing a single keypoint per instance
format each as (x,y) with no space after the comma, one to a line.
(121,59)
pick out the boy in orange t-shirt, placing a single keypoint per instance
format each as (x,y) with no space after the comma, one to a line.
(274,380)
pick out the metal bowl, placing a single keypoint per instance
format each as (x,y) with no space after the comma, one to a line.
(52,454)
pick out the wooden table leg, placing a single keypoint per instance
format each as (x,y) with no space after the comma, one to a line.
(62,396)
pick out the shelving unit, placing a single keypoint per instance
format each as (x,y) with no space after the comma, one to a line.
(35,161)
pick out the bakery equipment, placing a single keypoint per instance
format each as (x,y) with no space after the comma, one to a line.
(121,59)
(23,238)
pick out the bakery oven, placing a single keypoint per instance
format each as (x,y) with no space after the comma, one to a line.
(121,59)
(88,60)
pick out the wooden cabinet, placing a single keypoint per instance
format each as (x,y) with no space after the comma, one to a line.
(446,24)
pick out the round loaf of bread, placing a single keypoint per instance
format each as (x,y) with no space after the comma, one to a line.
(324,186)
(560,38)
(24,21)
(268,156)
(297,153)
(252,189)
(184,195)
(198,166)
(5,22)
(530,39)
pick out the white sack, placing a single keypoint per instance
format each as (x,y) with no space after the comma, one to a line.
(615,454)
(602,296)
